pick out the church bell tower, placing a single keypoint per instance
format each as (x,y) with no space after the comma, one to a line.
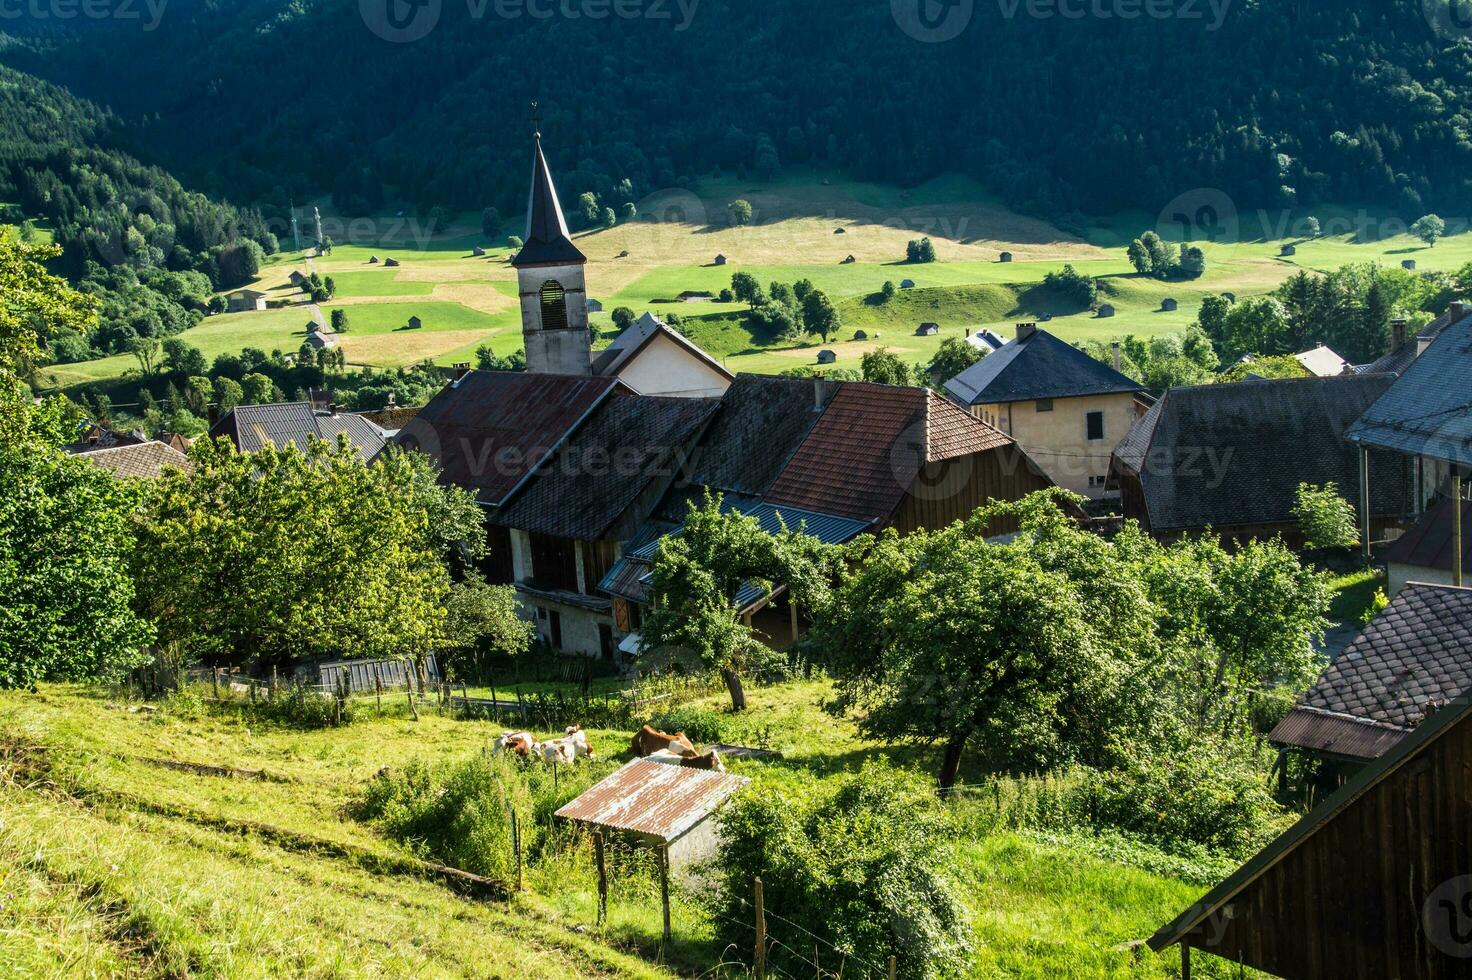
(549,273)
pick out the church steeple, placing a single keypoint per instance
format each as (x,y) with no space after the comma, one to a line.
(549,275)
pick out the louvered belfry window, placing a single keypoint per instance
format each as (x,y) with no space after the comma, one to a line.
(554,306)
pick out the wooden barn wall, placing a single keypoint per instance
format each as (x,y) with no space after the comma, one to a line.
(1349,900)
(951,490)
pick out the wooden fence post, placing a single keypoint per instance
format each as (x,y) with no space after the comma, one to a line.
(215,678)
(602,877)
(664,887)
(760,962)
(465,692)
(893,966)
(378,685)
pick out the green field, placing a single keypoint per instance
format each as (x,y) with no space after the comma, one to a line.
(468,301)
(115,864)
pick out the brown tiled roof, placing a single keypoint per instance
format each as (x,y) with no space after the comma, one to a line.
(761,423)
(491,429)
(863,454)
(392,418)
(145,460)
(1428,544)
(1414,656)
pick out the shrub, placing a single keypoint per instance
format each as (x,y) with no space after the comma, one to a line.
(859,865)
(1201,796)
(700,724)
(1326,519)
(304,707)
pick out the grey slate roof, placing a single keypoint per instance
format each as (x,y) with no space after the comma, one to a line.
(1416,653)
(1403,356)
(630,444)
(1234,454)
(1428,411)
(145,461)
(284,424)
(1037,366)
(761,423)
(547,241)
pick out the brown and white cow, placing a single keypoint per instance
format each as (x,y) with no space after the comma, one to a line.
(578,738)
(690,760)
(517,743)
(573,745)
(648,741)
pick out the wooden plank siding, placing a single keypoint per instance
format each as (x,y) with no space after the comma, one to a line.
(1362,895)
(951,490)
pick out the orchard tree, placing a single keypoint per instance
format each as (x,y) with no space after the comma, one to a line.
(698,575)
(588,208)
(819,315)
(281,555)
(740,212)
(482,619)
(953,357)
(883,366)
(182,358)
(746,289)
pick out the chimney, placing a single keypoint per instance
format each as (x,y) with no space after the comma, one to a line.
(1397,333)
(818,392)
(462,368)
(391,400)
(332,408)
(1026,330)
(1114,348)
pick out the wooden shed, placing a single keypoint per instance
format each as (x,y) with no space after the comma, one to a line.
(720,260)
(390,261)
(1005,257)
(907,284)
(1106,309)
(477,251)
(1288,249)
(1408,264)
(414,323)
(826,357)
(927,330)
(1374,882)
(1169,305)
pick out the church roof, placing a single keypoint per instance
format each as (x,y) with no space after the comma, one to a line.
(547,241)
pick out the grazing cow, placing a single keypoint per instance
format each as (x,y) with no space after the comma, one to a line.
(690,760)
(649,740)
(557,750)
(579,741)
(517,743)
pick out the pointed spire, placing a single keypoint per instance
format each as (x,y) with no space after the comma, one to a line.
(547,240)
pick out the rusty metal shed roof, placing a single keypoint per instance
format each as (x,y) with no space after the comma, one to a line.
(655,799)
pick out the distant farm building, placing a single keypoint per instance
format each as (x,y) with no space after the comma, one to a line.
(839,231)
(696,296)
(826,357)
(390,261)
(245,299)
(372,260)
(848,261)
(297,279)
(1005,257)
(1288,250)
(1408,264)
(477,251)
(1230,297)
(907,284)
(861,335)
(595,306)
(1169,305)
(414,323)
(1106,309)
(720,260)
(927,330)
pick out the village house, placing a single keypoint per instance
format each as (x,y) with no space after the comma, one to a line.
(1230,457)
(282,424)
(138,461)
(985,340)
(298,279)
(1414,657)
(653,359)
(1322,362)
(245,300)
(1066,409)
(1425,552)
(927,330)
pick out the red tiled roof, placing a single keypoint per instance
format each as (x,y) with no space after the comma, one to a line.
(862,456)
(491,429)
(1428,544)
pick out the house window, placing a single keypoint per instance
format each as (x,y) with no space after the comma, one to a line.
(1097,481)
(554,306)
(556,630)
(1095,423)
(1045,404)
(554,562)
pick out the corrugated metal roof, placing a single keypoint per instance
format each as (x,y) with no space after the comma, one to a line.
(652,798)
(1322,731)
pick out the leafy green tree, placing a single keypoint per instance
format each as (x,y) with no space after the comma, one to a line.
(481,619)
(887,291)
(623,317)
(588,208)
(515,242)
(182,358)
(1072,285)
(746,289)
(819,315)
(1192,263)
(281,555)
(1272,366)
(1311,227)
(1256,325)
(740,212)
(1428,228)
(339,320)
(228,393)
(952,357)
(490,223)
(628,211)
(883,366)
(1139,257)
(146,350)
(920,250)
(698,576)
(1324,517)
(257,389)
(65,526)
(802,287)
